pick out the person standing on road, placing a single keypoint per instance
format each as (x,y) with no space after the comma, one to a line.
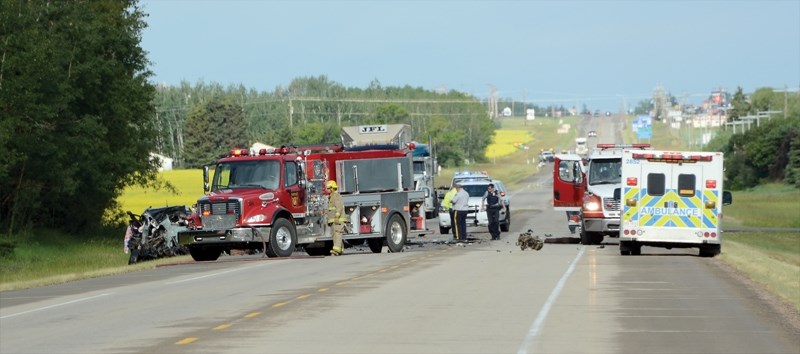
(447,204)
(461,205)
(335,217)
(492,203)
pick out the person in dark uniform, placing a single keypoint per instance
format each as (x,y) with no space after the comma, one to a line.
(492,204)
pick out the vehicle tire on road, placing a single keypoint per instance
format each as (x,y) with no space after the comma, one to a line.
(444,230)
(282,239)
(324,250)
(395,234)
(375,245)
(505,226)
(204,254)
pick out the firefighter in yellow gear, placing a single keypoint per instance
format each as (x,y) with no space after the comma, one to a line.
(335,217)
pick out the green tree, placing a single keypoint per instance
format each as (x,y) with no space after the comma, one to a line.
(740,105)
(76,110)
(212,130)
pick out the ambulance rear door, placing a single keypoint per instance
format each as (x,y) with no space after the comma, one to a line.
(569,182)
(668,206)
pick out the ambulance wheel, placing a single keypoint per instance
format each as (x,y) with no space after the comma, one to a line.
(282,239)
(375,245)
(709,250)
(636,250)
(395,234)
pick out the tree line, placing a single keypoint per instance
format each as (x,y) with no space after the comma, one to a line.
(79,116)
(198,122)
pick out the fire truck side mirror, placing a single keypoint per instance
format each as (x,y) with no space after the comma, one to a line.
(727,198)
(617,193)
(206,186)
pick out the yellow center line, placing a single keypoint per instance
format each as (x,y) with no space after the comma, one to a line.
(252,314)
(322,290)
(186,340)
(279,304)
(342,283)
(222,326)
(394,267)
(301,297)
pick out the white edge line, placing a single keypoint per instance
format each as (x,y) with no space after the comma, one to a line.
(56,305)
(537,324)
(215,274)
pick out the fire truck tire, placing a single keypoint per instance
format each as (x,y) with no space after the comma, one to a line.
(282,239)
(375,245)
(205,254)
(320,251)
(395,234)
(591,238)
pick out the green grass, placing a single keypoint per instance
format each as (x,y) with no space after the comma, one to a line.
(769,258)
(44,258)
(771,205)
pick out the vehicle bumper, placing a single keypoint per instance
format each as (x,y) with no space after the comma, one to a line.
(240,236)
(605,225)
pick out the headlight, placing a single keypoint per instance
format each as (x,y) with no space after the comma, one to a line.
(256,218)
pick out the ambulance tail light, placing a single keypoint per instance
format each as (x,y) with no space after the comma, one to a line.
(711,183)
(706,234)
(633,181)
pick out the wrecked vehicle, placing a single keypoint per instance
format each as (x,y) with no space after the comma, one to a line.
(154,234)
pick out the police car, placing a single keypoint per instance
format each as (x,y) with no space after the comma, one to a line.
(476,186)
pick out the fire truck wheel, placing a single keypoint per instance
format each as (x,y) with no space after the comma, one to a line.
(325,250)
(204,254)
(282,239)
(375,245)
(395,234)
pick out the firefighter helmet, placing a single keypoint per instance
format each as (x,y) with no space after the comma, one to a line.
(331,185)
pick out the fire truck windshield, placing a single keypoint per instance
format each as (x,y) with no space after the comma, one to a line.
(247,174)
(605,171)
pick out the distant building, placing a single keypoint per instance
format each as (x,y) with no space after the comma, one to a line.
(164,162)
(507,112)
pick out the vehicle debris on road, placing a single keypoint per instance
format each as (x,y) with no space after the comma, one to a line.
(528,240)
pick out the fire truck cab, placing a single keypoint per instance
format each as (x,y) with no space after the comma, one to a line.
(274,200)
(672,199)
(588,186)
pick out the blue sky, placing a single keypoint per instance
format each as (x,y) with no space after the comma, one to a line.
(595,53)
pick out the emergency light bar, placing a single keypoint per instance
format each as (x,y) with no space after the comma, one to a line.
(239,152)
(622,146)
(670,157)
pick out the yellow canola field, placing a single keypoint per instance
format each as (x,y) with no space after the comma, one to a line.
(506,142)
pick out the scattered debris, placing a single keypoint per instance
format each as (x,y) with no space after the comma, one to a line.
(528,240)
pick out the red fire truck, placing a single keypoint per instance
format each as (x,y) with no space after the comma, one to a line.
(273,200)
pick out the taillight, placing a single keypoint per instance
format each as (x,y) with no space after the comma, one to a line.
(711,183)
(632,181)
